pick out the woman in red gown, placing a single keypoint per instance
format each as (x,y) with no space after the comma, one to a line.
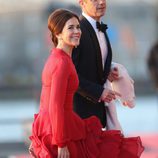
(57,131)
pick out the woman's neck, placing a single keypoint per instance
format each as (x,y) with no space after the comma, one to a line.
(66,49)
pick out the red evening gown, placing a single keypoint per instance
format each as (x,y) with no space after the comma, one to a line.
(57,125)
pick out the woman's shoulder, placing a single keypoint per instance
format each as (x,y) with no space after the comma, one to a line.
(57,60)
(57,56)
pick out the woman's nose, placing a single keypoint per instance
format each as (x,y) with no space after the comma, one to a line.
(76,30)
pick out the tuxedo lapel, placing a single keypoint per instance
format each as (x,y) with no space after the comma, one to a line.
(96,45)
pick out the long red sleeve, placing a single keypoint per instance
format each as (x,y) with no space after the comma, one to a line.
(56,105)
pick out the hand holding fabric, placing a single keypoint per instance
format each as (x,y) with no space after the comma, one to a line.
(124,85)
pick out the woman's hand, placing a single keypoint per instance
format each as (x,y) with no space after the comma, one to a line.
(31,151)
(63,152)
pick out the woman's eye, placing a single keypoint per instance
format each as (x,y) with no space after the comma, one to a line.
(78,27)
(74,27)
(70,27)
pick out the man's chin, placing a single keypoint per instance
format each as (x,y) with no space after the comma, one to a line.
(100,14)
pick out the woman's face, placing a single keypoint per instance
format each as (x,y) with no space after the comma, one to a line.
(71,32)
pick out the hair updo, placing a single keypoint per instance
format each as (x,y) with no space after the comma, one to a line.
(57,20)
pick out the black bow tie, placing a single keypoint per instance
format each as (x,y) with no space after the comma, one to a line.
(101,27)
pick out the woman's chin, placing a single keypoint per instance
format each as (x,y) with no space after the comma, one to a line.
(76,44)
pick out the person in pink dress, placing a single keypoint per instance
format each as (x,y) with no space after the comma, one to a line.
(57,131)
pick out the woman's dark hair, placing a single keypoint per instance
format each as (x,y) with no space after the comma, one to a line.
(57,20)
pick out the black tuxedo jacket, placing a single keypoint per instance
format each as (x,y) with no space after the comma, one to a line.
(88,62)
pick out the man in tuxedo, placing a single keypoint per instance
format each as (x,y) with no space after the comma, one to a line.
(92,59)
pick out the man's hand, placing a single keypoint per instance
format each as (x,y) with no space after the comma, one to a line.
(113,75)
(108,95)
(63,152)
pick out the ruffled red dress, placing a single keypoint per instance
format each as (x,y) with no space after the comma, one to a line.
(57,125)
